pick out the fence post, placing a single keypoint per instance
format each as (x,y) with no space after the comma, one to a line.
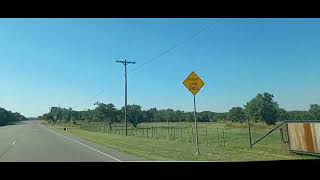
(286,134)
(181,134)
(224,141)
(188,136)
(281,133)
(192,135)
(147,132)
(207,136)
(218,136)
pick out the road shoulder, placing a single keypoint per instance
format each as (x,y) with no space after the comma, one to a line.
(109,151)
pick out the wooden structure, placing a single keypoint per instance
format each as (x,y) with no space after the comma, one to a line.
(304,137)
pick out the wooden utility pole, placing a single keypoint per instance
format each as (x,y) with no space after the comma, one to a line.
(125,63)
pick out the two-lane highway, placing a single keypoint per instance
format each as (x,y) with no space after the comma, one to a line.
(29,141)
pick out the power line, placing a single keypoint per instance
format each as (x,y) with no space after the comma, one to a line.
(161,54)
(96,95)
(100,92)
(177,45)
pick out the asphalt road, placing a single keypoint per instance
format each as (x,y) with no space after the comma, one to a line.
(29,141)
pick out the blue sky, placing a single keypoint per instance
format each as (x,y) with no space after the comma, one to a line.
(47,62)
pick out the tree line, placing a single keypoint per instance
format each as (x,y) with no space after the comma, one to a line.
(262,108)
(8,117)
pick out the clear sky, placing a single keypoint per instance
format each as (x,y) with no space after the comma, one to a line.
(47,62)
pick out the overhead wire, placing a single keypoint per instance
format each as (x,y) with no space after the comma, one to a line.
(156,57)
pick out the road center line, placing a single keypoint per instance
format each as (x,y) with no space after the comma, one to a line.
(85,145)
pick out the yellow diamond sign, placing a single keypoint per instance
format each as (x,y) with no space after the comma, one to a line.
(193,83)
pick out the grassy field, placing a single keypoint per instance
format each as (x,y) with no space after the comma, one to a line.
(176,144)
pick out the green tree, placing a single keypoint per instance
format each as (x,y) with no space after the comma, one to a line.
(263,108)
(105,113)
(7,117)
(134,114)
(315,111)
(283,115)
(236,114)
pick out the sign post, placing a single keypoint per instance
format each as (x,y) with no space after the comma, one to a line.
(193,83)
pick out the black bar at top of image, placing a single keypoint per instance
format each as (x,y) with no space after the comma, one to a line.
(160,9)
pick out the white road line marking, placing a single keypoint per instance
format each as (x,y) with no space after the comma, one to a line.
(13,142)
(85,145)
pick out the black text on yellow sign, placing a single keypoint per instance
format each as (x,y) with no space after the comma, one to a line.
(193,83)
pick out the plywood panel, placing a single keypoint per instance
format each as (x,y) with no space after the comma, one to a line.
(317,136)
(304,137)
(308,138)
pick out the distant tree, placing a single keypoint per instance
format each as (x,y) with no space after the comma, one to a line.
(283,115)
(260,108)
(315,111)
(236,114)
(263,108)
(70,117)
(105,113)
(134,114)
(153,114)
(7,117)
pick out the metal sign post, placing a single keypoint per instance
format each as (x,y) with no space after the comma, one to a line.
(195,123)
(193,83)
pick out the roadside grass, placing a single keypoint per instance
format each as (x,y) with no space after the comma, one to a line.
(235,147)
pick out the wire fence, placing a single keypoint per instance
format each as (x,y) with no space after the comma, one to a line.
(181,134)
